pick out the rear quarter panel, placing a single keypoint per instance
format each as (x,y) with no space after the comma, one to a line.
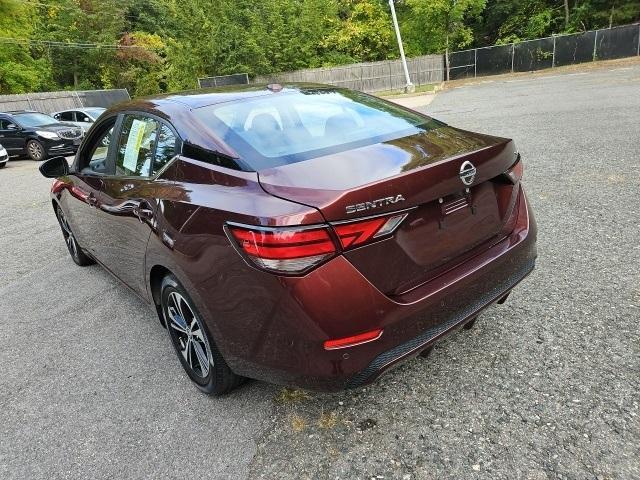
(190,242)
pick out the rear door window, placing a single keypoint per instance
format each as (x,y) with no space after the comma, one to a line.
(165,150)
(66,117)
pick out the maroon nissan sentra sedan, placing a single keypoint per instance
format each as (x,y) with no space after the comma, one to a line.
(298,234)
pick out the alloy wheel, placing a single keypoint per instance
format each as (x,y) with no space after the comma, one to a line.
(35,151)
(188,335)
(69,239)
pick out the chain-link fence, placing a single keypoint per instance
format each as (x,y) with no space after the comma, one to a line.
(525,56)
(529,55)
(224,80)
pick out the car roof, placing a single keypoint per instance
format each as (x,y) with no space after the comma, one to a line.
(204,97)
(174,107)
(15,112)
(79,109)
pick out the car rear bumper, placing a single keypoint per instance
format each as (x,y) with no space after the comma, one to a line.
(441,327)
(285,341)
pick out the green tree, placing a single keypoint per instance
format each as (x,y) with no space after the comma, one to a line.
(363,32)
(167,44)
(139,65)
(592,14)
(19,71)
(442,24)
(89,21)
(439,25)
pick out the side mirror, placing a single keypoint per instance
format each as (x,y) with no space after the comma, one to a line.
(11,126)
(54,167)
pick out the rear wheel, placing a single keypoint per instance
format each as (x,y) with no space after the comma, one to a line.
(76,252)
(35,150)
(192,342)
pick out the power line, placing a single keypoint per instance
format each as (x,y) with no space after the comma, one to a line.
(54,43)
(78,9)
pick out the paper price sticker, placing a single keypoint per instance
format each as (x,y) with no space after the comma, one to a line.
(132,150)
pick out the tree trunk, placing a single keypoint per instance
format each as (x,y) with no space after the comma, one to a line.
(75,74)
(613,6)
(566,13)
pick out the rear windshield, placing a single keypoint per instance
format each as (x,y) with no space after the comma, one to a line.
(289,127)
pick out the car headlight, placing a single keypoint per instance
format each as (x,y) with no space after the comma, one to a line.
(49,135)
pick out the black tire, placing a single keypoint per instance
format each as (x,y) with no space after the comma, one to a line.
(76,252)
(36,151)
(192,341)
(2,165)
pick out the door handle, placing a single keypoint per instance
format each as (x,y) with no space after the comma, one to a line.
(143,211)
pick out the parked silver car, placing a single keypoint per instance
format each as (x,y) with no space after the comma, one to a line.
(4,157)
(82,117)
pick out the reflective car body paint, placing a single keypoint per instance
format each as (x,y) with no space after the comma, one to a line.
(460,248)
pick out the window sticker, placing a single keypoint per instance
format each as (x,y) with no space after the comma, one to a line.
(134,142)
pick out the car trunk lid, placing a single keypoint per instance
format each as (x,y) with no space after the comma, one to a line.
(447,219)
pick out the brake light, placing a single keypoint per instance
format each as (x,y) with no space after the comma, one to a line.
(359,232)
(296,250)
(284,250)
(353,341)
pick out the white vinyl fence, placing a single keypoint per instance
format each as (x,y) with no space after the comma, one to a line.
(48,102)
(367,77)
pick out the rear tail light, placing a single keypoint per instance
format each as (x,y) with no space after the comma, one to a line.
(296,250)
(286,250)
(359,232)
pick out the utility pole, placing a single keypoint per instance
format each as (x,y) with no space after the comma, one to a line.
(409,87)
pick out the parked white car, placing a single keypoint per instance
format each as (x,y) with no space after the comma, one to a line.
(82,117)
(4,157)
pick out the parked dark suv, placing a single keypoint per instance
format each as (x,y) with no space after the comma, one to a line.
(37,135)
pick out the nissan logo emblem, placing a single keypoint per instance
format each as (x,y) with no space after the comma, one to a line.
(467,173)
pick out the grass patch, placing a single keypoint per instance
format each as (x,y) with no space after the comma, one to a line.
(298,424)
(291,395)
(399,93)
(327,420)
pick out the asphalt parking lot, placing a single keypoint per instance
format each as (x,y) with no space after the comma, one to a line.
(546,386)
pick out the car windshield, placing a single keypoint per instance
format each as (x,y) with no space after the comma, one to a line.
(34,119)
(293,126)
(94,112)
